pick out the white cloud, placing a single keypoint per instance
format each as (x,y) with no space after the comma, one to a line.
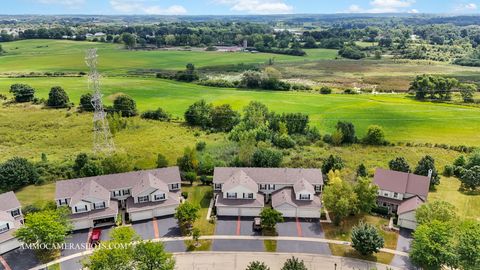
(258,6)
(384,6)
(69,3)
(142,7)
(466,7)
(413,11)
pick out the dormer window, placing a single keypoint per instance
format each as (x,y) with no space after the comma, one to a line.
(175,186)
(159,197)
(248,195)
(143,199)
(218,186)
(304,196)
(117,193)
(395,195)
(262,186)
(231,195)
(4,228)
(15,213)
(126,192)
(99,205)
(81,209)
(62,202)
(271,187)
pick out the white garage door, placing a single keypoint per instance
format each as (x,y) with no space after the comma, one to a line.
(142,215)
(82,224)
(228,211)
(164,211)
(308,213)
(250,212)
(287,211)
(9,245)
(407,224)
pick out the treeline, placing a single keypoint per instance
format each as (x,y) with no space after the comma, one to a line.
(433,87)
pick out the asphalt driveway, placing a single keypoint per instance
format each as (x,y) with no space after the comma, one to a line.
(403,244)
(167,227)
(77,239)
(20,259)
(235,226)
(144,229)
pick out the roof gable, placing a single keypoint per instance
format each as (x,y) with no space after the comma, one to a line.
(240,178)
(303,185)
(401,182)
(149,181)
(409,205)
(90,189)
(9,201)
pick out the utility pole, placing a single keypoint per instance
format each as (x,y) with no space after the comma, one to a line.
(102,138)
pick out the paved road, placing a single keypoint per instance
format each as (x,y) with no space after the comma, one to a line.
(240,260)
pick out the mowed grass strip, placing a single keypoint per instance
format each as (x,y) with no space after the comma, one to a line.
(402,118)
(68,56)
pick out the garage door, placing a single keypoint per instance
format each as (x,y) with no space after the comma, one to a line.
(308,213)
(250,212)
(164,211)
(82,224)
(228,211)
(142,215)
(407,224)
(287,211)
(9,245)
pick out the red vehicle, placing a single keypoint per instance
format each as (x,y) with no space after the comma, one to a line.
(95,238)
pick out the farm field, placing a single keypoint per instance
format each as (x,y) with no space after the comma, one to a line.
(403,119)
(68,56)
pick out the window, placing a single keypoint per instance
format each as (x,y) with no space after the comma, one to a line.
(15,213)
(126,192)
(99,205)
(81,209)
(218,186)
(318,188)
(248,195)
(143,199)
(395,195)
(385,194)
(117,193)
(4,228)
(175,186)
(159,197)
(62,202)
(263,186)
(304,196)
(271,187)
(231,195)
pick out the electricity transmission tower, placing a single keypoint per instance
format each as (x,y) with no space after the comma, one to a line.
(102,138)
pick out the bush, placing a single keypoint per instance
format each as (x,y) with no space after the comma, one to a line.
(381,210)
(125,105)
(217,83)
(375,136)
(200,146)
(185,195)
(283,141)
(158,114)
(58,98)
(448,171)
(351,52)
(211,49)
(85,104)
(22,92)
(325,90)
(16,173)
(366,239)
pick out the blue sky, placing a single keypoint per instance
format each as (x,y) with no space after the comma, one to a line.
(217,7)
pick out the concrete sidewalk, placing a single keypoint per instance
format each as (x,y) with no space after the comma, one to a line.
(240,260)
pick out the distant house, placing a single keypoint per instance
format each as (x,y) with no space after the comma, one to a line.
(95,201)
(11,219)
(402,193)
(245,191)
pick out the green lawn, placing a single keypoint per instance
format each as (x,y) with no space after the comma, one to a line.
(403,119)
(31,194)
(68,56)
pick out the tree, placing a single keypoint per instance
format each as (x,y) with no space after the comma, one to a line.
(332,163)
(265,158)
(339,197)
(269,218)
(424,166)
(158,114)
(366,193)
(348,132)
(432,246)
(362,170)
(436,210)
(152,256)
(467,91)
(199,114)
(110,255)
(399,164)
(46,228)
(366,239)
(130,40)
(351,52)
(125,105)
(84,166)
(188,75)
(251,79)
(435,87)
(86,103)
(22,92)
(255,114)
(188,162)
(294,264)
(117,163)
(16,173)
(224,118)
(186,214)
(58,98)
(470,178)
(375,135)
(162,161)
(256,265)
(468,247)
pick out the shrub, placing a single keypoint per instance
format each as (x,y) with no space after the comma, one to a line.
(185,195)
(16,173)
(125,105)
(191,177)
(325,90)
(158,114)
(283,141)
(217,83)
(448,171)
(375,136)
(366,239)
(22,92)
(267,158)
(200,146)
(381,210)
(86,103)
(58,98)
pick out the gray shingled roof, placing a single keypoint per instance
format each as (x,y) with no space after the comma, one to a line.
(8,201)
(147,181)
(90,189)
(240,178)
(302,185)
(270,175)
(287,195)
(409,205)
(401,182)
(67,188)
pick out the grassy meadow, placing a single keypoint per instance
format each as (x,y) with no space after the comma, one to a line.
(403,119)
(68,56)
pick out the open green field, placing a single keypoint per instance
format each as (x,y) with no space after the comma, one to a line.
(68,56)
(403,119)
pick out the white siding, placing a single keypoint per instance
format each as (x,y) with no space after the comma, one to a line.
(390,194)
(81,205)
(147,214)
(287,210)
(9,245)
(240,190)
(304,192)
(164,211)
(308,213)
(290,211)
(250,211)
(82,224)
(228,211)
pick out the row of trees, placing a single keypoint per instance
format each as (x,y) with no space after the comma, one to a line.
(345,134)
(57,97)
(440,88)
(467,169)
(425,166)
